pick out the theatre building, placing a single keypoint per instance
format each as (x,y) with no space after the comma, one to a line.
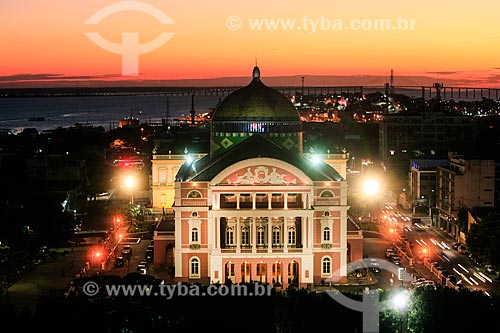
(255,208)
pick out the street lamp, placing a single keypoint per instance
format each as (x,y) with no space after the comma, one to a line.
(370,188)
(400,302)
(130,183)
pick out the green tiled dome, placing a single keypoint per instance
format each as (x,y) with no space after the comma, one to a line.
(256,102)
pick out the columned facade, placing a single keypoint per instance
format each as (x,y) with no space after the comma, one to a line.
(258,209)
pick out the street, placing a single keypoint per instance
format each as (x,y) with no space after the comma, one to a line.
(429,247)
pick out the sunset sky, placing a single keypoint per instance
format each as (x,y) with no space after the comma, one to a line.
(454,42)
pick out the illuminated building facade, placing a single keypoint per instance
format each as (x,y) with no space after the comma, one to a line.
(255,208)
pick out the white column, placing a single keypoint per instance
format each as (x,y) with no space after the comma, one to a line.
(303,234)
(253,235)
(310,225)
(285,234)
(178,247)
(215,201)
(210,232)
(238,234)
(269,200)
(343,243)
(304,200)
(269,234)
(217,232)
(285,204)
(237,201)
(253,200)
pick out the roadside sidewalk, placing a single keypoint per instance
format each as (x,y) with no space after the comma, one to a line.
(50,277)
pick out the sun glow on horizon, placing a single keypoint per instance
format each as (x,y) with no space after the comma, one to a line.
(46,41)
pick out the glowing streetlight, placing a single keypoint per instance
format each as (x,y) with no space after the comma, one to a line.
(400,301)
(371,187)
(130,183)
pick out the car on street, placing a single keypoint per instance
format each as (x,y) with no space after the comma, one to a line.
(388,252)
(490,270)
(374,266)
(426,283)
(127,251)
(119,262)
(418,281)
(396,259)
(475,260)
(436,266)
(462,249)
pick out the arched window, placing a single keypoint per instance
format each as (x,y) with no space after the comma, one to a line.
(194,268)
(291,235)
(326,267)
(326,234)
(229,236)
(194,235)
(194,194)
(276,235)
(260,235)
(327,194)
(326,213)
(245,236)
(194,214)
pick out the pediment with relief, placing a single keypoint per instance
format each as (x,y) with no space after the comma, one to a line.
(261,175)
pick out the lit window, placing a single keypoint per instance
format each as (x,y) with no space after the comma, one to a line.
(194,268)
(291,235)
(245,236)
(194,194)
(326,266)
(276,235)
(326,234)
(260,236)
(327,194)
(229,236)
(194,235)
(162,177)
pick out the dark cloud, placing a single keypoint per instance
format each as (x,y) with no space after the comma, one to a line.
(443,73)
(50,77)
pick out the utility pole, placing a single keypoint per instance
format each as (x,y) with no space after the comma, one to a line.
(192,112)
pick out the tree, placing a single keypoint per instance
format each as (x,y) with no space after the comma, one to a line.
(463,219)
(483,238)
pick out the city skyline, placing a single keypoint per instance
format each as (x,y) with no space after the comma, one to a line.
(47,42)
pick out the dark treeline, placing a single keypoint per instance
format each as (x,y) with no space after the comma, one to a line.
(291,310)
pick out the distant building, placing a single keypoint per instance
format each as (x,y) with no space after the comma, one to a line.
(423,184)
(255,208)
(129,122)
(164,168)
(466,183)
(425,134)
